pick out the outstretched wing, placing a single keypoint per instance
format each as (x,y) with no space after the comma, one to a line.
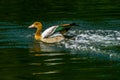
(63,28)
(48,32)
(58,28)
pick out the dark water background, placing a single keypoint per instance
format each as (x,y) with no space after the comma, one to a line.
(94,53)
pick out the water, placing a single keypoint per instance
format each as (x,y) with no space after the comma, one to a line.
(93,54)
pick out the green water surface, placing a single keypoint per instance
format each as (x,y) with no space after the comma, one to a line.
(94,54)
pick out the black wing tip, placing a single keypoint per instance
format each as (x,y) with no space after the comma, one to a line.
(74,24)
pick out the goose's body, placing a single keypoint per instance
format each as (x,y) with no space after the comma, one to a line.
(49,35)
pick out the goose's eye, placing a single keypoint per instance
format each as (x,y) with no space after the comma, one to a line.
(36,24)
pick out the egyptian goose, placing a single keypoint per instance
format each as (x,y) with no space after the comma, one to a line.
(50,35)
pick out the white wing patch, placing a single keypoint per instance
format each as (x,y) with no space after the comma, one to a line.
(48,32)
(56,34)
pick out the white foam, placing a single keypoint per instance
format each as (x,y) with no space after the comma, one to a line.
(92,39)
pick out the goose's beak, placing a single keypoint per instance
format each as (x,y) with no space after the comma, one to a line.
(32,26)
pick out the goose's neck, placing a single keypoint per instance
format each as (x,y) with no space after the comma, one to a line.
(38,34)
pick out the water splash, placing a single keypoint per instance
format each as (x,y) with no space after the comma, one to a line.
(92,39)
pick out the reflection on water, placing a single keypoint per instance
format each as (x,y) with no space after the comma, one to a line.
(61,65)
(93,54)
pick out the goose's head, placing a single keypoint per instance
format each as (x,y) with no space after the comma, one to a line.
(37,25)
